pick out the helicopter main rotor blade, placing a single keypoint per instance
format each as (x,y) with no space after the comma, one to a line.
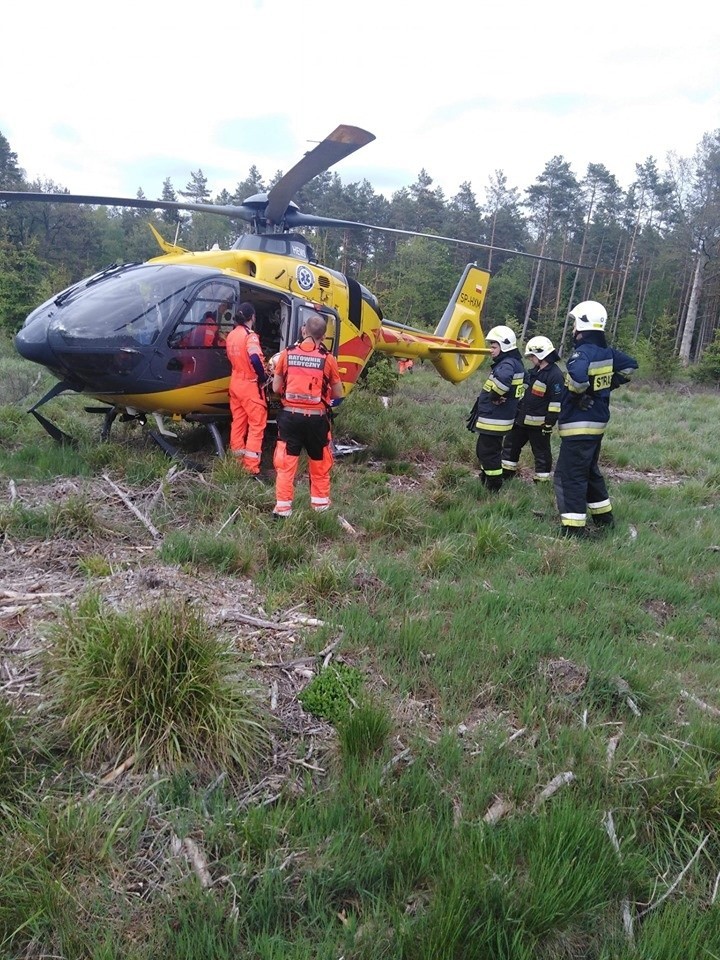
(297,219)
(240,211)
(339,144)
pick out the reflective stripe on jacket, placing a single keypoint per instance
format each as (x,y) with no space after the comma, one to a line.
(304,379)
(496,406)
(593,370)
(540,403)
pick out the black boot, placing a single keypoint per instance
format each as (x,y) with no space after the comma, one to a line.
(605,520)
(579,533)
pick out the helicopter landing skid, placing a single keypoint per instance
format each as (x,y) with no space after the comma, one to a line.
(172,451)
(55,432)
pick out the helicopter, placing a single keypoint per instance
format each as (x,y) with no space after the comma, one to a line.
(147,339)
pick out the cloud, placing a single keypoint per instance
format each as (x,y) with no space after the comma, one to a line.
(110,105)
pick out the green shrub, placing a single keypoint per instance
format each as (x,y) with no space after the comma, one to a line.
(380,376)
(708,369)
(330,695)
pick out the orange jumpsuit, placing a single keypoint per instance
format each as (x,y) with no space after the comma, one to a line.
(247,400)
(309,373)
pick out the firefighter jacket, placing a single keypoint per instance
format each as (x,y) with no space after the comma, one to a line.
(593,370)
(540,404)
(308,372)
(496,406)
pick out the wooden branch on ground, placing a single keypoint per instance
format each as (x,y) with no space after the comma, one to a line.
(679,877)
(285,664)
(132,508)
(299,621)
(559,781)
(348,527)
(612,747)
(229,520)
(196,858)
(705,707)
(500,808)
(172,474)
(33,597)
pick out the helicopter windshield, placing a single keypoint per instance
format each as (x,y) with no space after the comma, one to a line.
(135,303)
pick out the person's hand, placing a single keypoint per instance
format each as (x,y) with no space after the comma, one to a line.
(547,429)
(584,401)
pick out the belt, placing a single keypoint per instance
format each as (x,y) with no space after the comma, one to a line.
(305,411)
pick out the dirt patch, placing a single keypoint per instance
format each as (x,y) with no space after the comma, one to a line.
(652,478)
(659,610)
(563,676)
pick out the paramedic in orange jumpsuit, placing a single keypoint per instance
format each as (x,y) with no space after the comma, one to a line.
(248,403)
(307,379)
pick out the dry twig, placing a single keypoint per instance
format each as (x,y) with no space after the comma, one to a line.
(132,508)
(679,877)
(499,809)
(559,781)
(705,707)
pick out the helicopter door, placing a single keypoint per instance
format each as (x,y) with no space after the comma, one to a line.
(302,312)
(197,340)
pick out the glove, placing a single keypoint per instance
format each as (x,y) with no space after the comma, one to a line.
(584,401)
(472,417)
(547,429)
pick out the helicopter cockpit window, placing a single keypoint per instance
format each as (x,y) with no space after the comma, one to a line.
(131,305)
(209,316)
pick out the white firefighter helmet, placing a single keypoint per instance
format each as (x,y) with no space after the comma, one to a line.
(272,362)
(539,347)
(502,336)
(589,315)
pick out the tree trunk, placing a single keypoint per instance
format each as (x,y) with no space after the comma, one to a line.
(693,305)
(534,289)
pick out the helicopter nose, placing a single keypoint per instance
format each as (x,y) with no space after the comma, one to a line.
(31,342)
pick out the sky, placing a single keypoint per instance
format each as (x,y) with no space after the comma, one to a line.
(108,99)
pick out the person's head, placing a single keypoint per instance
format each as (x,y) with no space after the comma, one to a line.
(315,326)
(245,313)
(500,340)
(539,349)
(588,316)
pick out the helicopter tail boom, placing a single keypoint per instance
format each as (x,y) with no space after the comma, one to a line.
(457,347)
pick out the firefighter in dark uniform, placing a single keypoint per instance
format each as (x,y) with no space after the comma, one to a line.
(537,412)
(493,415)
(593,371)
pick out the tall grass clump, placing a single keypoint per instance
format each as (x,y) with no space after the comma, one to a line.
(364,731)
(9,749)
(154,683)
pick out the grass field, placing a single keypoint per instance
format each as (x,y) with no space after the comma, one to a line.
(420,726)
